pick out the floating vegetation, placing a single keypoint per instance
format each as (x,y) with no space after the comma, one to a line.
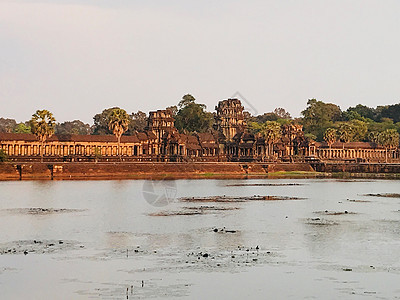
(38,246)
(232,199)
(175,213)
(386,195)
(190,211)
(358,201)
(320,222)
(211,208)
(334,213)
(41,211)
(265,184)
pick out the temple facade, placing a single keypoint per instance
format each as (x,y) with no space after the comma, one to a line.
(228,141)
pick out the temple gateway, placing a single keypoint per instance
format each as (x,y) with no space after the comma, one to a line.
(229,141)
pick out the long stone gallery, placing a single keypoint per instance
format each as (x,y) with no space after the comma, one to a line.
(229,141)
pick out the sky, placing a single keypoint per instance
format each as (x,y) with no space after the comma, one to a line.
(76,58)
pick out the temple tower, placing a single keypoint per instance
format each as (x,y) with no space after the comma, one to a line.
(160,122)
(230,119)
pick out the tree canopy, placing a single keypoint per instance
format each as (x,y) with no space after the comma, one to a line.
(192,117)
(42,126)
(73,127)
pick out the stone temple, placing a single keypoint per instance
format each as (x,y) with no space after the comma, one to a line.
(229,140)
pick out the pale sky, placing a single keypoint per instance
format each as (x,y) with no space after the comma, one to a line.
(76,58)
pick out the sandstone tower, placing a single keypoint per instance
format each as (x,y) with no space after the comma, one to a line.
(160,122)
(230,119)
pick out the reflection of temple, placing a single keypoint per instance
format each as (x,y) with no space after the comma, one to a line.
(161,141)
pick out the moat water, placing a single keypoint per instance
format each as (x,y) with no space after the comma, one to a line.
(325,239)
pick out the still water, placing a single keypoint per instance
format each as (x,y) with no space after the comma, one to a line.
(326,239)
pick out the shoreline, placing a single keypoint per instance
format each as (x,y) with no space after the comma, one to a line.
(10,171)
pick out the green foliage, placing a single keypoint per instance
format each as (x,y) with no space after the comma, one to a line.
(310,137)
(391,112)
(375,114)
(318,116)
(118,122)
(22,128)
(271,132)
(359,130)
(173,109)
(101,122)
(186,100)
(255,127)
(192,116)
(389,138)
(359,112)
(7,125)
(282,113)
(42,124)
(73,127)
(330,136)
(346,132)
(3,155)
(373,137)
(97,152)
(138,122)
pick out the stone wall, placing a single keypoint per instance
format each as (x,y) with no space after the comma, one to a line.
(141,170)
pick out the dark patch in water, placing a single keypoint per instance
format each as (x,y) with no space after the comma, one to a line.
(41,211)
(232,199)
(385,195)
(265,184)
(334,213)
(358,201)
(320,222)
(191,211)
(37,246)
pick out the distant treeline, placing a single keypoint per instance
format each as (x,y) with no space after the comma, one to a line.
(359,123)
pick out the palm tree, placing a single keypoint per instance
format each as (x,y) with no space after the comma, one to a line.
(118,122)
(388,139)
(271,131)
(373,137)
(330,136)
(345,133)
(42,126)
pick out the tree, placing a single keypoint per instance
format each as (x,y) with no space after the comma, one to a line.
(118,123)
(359,129)
(186,100)
(173,109)
(3,155)
(282,113)
(138,122)
(192,116)
(345,132)
(361,111)
(42,126)
(73,127)
(7,125)
(271,132)
(22,128)
(330,137)
(388,139)
(318,116)
(100,126)
(391,112)
(373,137)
